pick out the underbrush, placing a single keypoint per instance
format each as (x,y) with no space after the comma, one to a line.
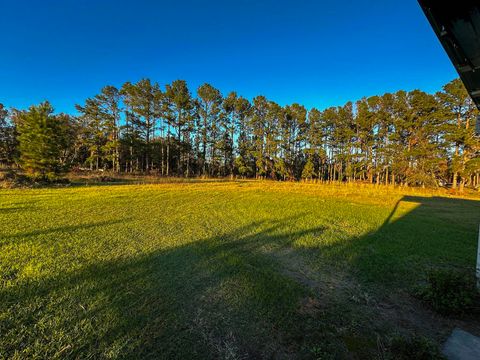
(11,179)
(449,292)
(413,347)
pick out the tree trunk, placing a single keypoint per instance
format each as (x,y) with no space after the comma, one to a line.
(168,150)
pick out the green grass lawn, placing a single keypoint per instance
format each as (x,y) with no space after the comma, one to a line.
(222,270)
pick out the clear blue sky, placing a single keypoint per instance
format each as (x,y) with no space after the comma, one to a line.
(317,53)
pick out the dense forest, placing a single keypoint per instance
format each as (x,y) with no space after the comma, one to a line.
(405,138)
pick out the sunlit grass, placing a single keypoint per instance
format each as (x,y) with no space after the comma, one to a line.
(191,269)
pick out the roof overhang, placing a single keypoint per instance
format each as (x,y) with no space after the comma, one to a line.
(457,25)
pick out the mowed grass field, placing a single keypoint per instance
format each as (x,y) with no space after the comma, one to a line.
(229,270)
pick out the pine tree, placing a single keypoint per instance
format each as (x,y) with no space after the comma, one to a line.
(244,162)
(229,124)
(93,132)
(178,111)
(8,141)
(459,113)
(258,126)
(109,102)
(141,100)
(315,135)
(308,171)
(43,139)
(210,110)
(405,138)
(425,150)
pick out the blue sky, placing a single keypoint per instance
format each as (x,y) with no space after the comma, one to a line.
(317,53)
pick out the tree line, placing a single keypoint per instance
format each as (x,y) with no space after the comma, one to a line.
(404,138)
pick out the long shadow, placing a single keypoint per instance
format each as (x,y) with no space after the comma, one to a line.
(218,297)
(25,236)
(16,209)
(437,232)
(227,296)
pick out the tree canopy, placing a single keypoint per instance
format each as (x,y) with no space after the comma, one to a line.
(408,138)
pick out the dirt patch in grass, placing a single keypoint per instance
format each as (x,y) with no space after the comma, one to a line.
(375,317)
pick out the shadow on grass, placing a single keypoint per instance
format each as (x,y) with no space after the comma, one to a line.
(225,297)
(437,232)
(61,229)
(16,209)
(222,296)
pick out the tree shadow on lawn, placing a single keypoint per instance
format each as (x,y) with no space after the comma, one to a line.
(230,296)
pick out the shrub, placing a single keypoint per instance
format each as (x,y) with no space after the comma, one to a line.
(14,179)
(449,292)
(415,347)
